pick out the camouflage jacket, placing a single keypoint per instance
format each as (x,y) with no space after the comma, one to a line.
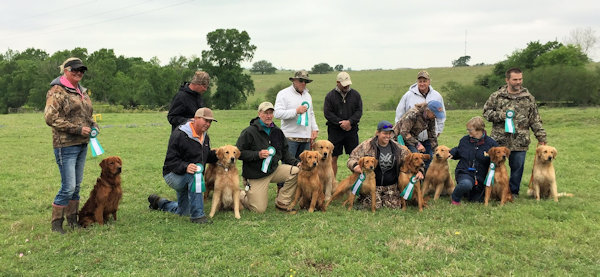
(526,116)
(414,122)
(368,148)
(67,112)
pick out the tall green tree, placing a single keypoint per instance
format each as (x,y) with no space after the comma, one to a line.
(462,61)
(228,48)
(321,68)
(262,67)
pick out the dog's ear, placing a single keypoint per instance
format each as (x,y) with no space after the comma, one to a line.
(119,160)
(237,152)
(375,162)
(507,151)
(319,156)
(425,156)
(554,152)
(303,155)
(361,162)
(102,164)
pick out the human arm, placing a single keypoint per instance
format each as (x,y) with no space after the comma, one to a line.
(55,114)
(491,110)
(284,108)
(535,123)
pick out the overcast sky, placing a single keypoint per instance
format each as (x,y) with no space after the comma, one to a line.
(299,34)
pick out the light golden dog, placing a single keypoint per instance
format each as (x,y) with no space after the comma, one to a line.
(438,174)
(325,169)
(500,190)
(309,188)
(413,163)
(367,165)
(543,183)
(225,178)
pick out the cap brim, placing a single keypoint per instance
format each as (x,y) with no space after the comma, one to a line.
(307,80)
(78,66)
(346,83)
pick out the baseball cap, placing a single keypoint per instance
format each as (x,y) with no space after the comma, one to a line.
(437,108)
(205,113)
(200,78)
(265,106)
(301,74)
(344,79)
(423,74)
(385,125)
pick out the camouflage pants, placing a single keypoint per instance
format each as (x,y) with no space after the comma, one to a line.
(386,196)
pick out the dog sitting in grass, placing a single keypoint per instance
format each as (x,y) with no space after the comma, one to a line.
(412,165)
(309,190)
(367,186)
(106,194)
(438,176)
(499,188)
(543,183)
(225,180)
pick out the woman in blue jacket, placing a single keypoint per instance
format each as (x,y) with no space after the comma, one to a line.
(472,165)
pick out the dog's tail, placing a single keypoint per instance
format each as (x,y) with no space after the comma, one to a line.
(565,194)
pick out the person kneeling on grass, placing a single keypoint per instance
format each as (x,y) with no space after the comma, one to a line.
(262,146)
(472,164)
(187,154)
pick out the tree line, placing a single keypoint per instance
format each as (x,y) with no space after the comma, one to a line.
(130,81)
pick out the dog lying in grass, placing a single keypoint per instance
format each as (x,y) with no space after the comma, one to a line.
(367,165)
(498,189)
(225,179)
(543,183)
(309,190)
(412,165)
(438,174)
(106,194)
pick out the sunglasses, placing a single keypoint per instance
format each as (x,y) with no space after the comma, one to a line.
(82,70)
(386,127)
(303,81)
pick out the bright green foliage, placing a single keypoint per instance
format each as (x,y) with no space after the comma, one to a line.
(321,68)
(570,55)
(228,48)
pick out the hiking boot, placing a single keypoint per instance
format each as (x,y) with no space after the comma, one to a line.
(154,200)
(57,218)
(201,220)
(283,208)
(71,212)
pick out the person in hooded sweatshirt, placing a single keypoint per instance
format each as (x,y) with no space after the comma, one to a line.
(262,146)
(69,112)
(188,99)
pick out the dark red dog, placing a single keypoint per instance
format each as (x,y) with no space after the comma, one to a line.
(104,198)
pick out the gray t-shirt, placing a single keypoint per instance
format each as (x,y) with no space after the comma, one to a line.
(386,159)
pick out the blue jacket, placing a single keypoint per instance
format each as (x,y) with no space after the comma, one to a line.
(469,152)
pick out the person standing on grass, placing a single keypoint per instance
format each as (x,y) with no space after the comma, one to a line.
(390,156)
(187,155)
(473,164)
(262,146)
(294,107)
(343,110)
(188,99)
(512,111)
(418,119)
(422,92)
(69,112)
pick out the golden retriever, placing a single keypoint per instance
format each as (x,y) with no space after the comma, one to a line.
(500,189)
(325,169)
(224,176)
(367,165)
(438,174)
(106,194)
(543,183)
(309,188)
(413,164)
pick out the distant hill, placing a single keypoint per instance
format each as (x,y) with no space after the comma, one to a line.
(377,87)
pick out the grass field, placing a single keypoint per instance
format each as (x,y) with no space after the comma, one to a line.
(521,238)
(381,85)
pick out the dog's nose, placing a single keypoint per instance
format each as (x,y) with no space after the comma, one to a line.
(325,154)
(314,163)
(118,169)
(437,155)
(232,160)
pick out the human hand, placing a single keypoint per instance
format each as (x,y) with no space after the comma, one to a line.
(313,135)
(420,148)
(357,169)
(345,125)
(85,131)
(301,109)
(420,175)
(191,168)
(263,154)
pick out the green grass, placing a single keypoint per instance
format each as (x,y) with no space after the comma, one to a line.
(521,238)
(381,85)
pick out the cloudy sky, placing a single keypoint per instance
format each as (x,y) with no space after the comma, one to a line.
(299,34)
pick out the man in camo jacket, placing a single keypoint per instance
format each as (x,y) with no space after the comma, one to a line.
(513,97)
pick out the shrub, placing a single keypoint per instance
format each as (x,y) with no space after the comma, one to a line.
(465,97)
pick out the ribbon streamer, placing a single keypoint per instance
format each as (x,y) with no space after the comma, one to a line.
(95,144)
(401,140)
(489,178)
(358,184)
(509,124)
(198,185)
(303,118)
(408,190)
(267,162)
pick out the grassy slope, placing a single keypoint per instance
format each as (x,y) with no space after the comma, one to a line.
(525,238)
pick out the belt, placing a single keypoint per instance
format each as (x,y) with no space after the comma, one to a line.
(299,139)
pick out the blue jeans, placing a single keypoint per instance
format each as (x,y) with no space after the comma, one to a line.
(428,150)
(188,202)
(296,148)
(465,188)
(70,161)
(516,161)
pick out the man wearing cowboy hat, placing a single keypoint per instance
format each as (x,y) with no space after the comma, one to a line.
(294,107)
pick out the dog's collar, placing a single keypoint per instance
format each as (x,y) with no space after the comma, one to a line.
(223,166)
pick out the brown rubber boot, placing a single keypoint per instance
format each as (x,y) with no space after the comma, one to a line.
(57,218)
(71,212)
